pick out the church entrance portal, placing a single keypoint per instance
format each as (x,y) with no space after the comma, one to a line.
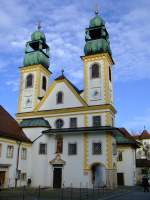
(98,175)
(57,177)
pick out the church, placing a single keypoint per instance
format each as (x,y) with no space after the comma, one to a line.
(72,132)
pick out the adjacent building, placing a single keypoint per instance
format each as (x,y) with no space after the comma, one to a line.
(126,159)
(15,152)
(143,155)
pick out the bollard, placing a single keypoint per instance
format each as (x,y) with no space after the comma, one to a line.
(71,191)
(87,195)
(62,192)
(23,194)
(93,192)
(39,192)
(80,191)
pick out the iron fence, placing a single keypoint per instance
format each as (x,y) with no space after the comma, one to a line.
(65,193)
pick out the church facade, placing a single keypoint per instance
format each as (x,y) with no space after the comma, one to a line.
(72,131)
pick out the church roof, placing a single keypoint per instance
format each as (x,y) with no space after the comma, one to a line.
(61,77)
(34,122)
(79,130)
(144,135)
(125,138)
(9,128)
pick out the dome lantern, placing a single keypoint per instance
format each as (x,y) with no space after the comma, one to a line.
(37,51)
(96,37)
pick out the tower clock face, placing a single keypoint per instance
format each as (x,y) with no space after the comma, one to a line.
(28,102)
(95,93)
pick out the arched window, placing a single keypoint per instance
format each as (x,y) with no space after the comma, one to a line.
(95,71)
(59,123)
(59,98)
(109,74)
(44,82)
(29,81)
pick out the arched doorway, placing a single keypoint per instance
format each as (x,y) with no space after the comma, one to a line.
(98,174)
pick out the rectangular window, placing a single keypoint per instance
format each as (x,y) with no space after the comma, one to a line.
(72,149)
(119,157)
(97,148)
(59,145)
(23,154)
(96,120)
(10,151)
(42,148)
(114,148)
(23,176)
(0,149)
(73,122)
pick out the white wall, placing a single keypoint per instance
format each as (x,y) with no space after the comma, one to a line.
(128,165)
(24,165)
(70,100)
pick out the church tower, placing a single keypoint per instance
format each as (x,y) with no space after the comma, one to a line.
(35,72)
(98,62)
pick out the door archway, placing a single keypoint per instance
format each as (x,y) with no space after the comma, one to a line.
(98,173)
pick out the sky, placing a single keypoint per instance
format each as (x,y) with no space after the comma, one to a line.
(64,23)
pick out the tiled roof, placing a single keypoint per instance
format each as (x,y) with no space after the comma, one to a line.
(9,128)
(144,135)
(35,122)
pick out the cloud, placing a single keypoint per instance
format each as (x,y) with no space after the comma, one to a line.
(14,84)
(129,40)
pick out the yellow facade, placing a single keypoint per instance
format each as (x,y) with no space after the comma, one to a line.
(38,70)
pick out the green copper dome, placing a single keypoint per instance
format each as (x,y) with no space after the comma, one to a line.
(36,50)
(96,37)
(96,21)
(38,35)
(96,46)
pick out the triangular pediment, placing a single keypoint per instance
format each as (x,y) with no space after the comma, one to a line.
(71,96)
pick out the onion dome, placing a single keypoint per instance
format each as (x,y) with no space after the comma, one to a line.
(37,50)
(38,34)
(96,21)
(96,37)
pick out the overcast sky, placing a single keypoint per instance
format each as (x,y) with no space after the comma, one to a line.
(64,24)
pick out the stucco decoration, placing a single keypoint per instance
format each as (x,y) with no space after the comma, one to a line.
(57,160)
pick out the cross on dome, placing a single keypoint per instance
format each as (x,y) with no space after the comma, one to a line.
(39,25)
(97,9)
(62,71)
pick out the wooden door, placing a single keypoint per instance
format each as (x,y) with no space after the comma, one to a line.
(120,178)
(57,177)
(2,178)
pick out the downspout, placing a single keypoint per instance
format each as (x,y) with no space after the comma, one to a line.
(17,162)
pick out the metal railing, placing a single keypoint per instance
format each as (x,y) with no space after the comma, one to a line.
(65,193)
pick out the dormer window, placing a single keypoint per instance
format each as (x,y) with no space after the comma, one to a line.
(59,98)
(44,83)
(95,73)
(29,81)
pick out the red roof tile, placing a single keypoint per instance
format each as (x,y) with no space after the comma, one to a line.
(144,135)
(9,127)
